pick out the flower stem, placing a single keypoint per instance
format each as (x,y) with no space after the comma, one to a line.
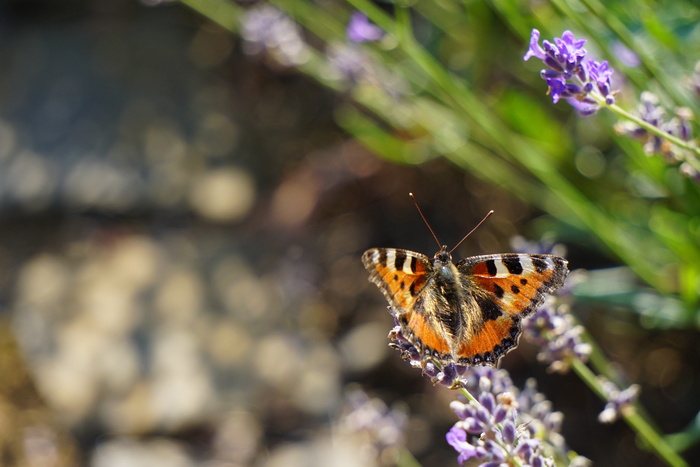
(406,459)
(692,158)
(633,418)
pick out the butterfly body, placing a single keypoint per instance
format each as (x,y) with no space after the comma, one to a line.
(464,313)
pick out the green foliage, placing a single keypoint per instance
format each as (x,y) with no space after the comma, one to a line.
(463,61)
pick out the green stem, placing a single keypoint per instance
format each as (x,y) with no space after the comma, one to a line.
(406,459)
(222,12)
(620,112)
(661,134)
(633,418)
(653,129)
(686,438)
(468,395)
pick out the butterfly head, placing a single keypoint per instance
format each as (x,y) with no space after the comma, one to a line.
(442,257)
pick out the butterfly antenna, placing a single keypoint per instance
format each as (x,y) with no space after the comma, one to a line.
(472,231)
(425,220)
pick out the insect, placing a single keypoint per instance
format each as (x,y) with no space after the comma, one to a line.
(467,313)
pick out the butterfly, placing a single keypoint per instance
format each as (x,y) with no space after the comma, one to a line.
(467,313)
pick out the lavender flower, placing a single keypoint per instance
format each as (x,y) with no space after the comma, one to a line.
(361,30)
(626,56)
(378,427)
(351,63)
(619,401)
(355,66)
(556,333)
(650,110)
(495,437)
(501,424)
(569,75)
(268,29)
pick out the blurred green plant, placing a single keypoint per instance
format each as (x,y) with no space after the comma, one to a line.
(441,80)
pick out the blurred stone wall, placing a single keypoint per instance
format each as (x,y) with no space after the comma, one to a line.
(131,162)
(179,247)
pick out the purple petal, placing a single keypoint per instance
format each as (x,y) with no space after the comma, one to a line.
(500,413)
(548,73)
(534,50)
(473,426)
(488,401)
(483,416)
(457,438)
(557,89)
(361,30)
(431,369)
(627,57)
(583,107)
(554,64)
(570,40)
(509,432)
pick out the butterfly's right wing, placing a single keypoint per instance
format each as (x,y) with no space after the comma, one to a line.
(405,279)
(400,274)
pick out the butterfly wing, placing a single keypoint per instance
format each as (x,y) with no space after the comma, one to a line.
(505,288)
(405,279)
(399,274)
(517,283)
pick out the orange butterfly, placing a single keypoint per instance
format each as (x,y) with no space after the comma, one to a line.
(468,313)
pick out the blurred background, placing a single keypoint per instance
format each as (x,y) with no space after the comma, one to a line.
(182,225)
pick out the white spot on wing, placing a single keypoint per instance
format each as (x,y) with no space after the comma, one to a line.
(390,257)
(526,263)
(501,269)
(407,265)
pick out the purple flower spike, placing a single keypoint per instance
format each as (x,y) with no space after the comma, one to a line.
(651,111)
(569,75)
(559,337)
(619,401)
(268,31)
(626,56)
(380,427)
(361,30)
